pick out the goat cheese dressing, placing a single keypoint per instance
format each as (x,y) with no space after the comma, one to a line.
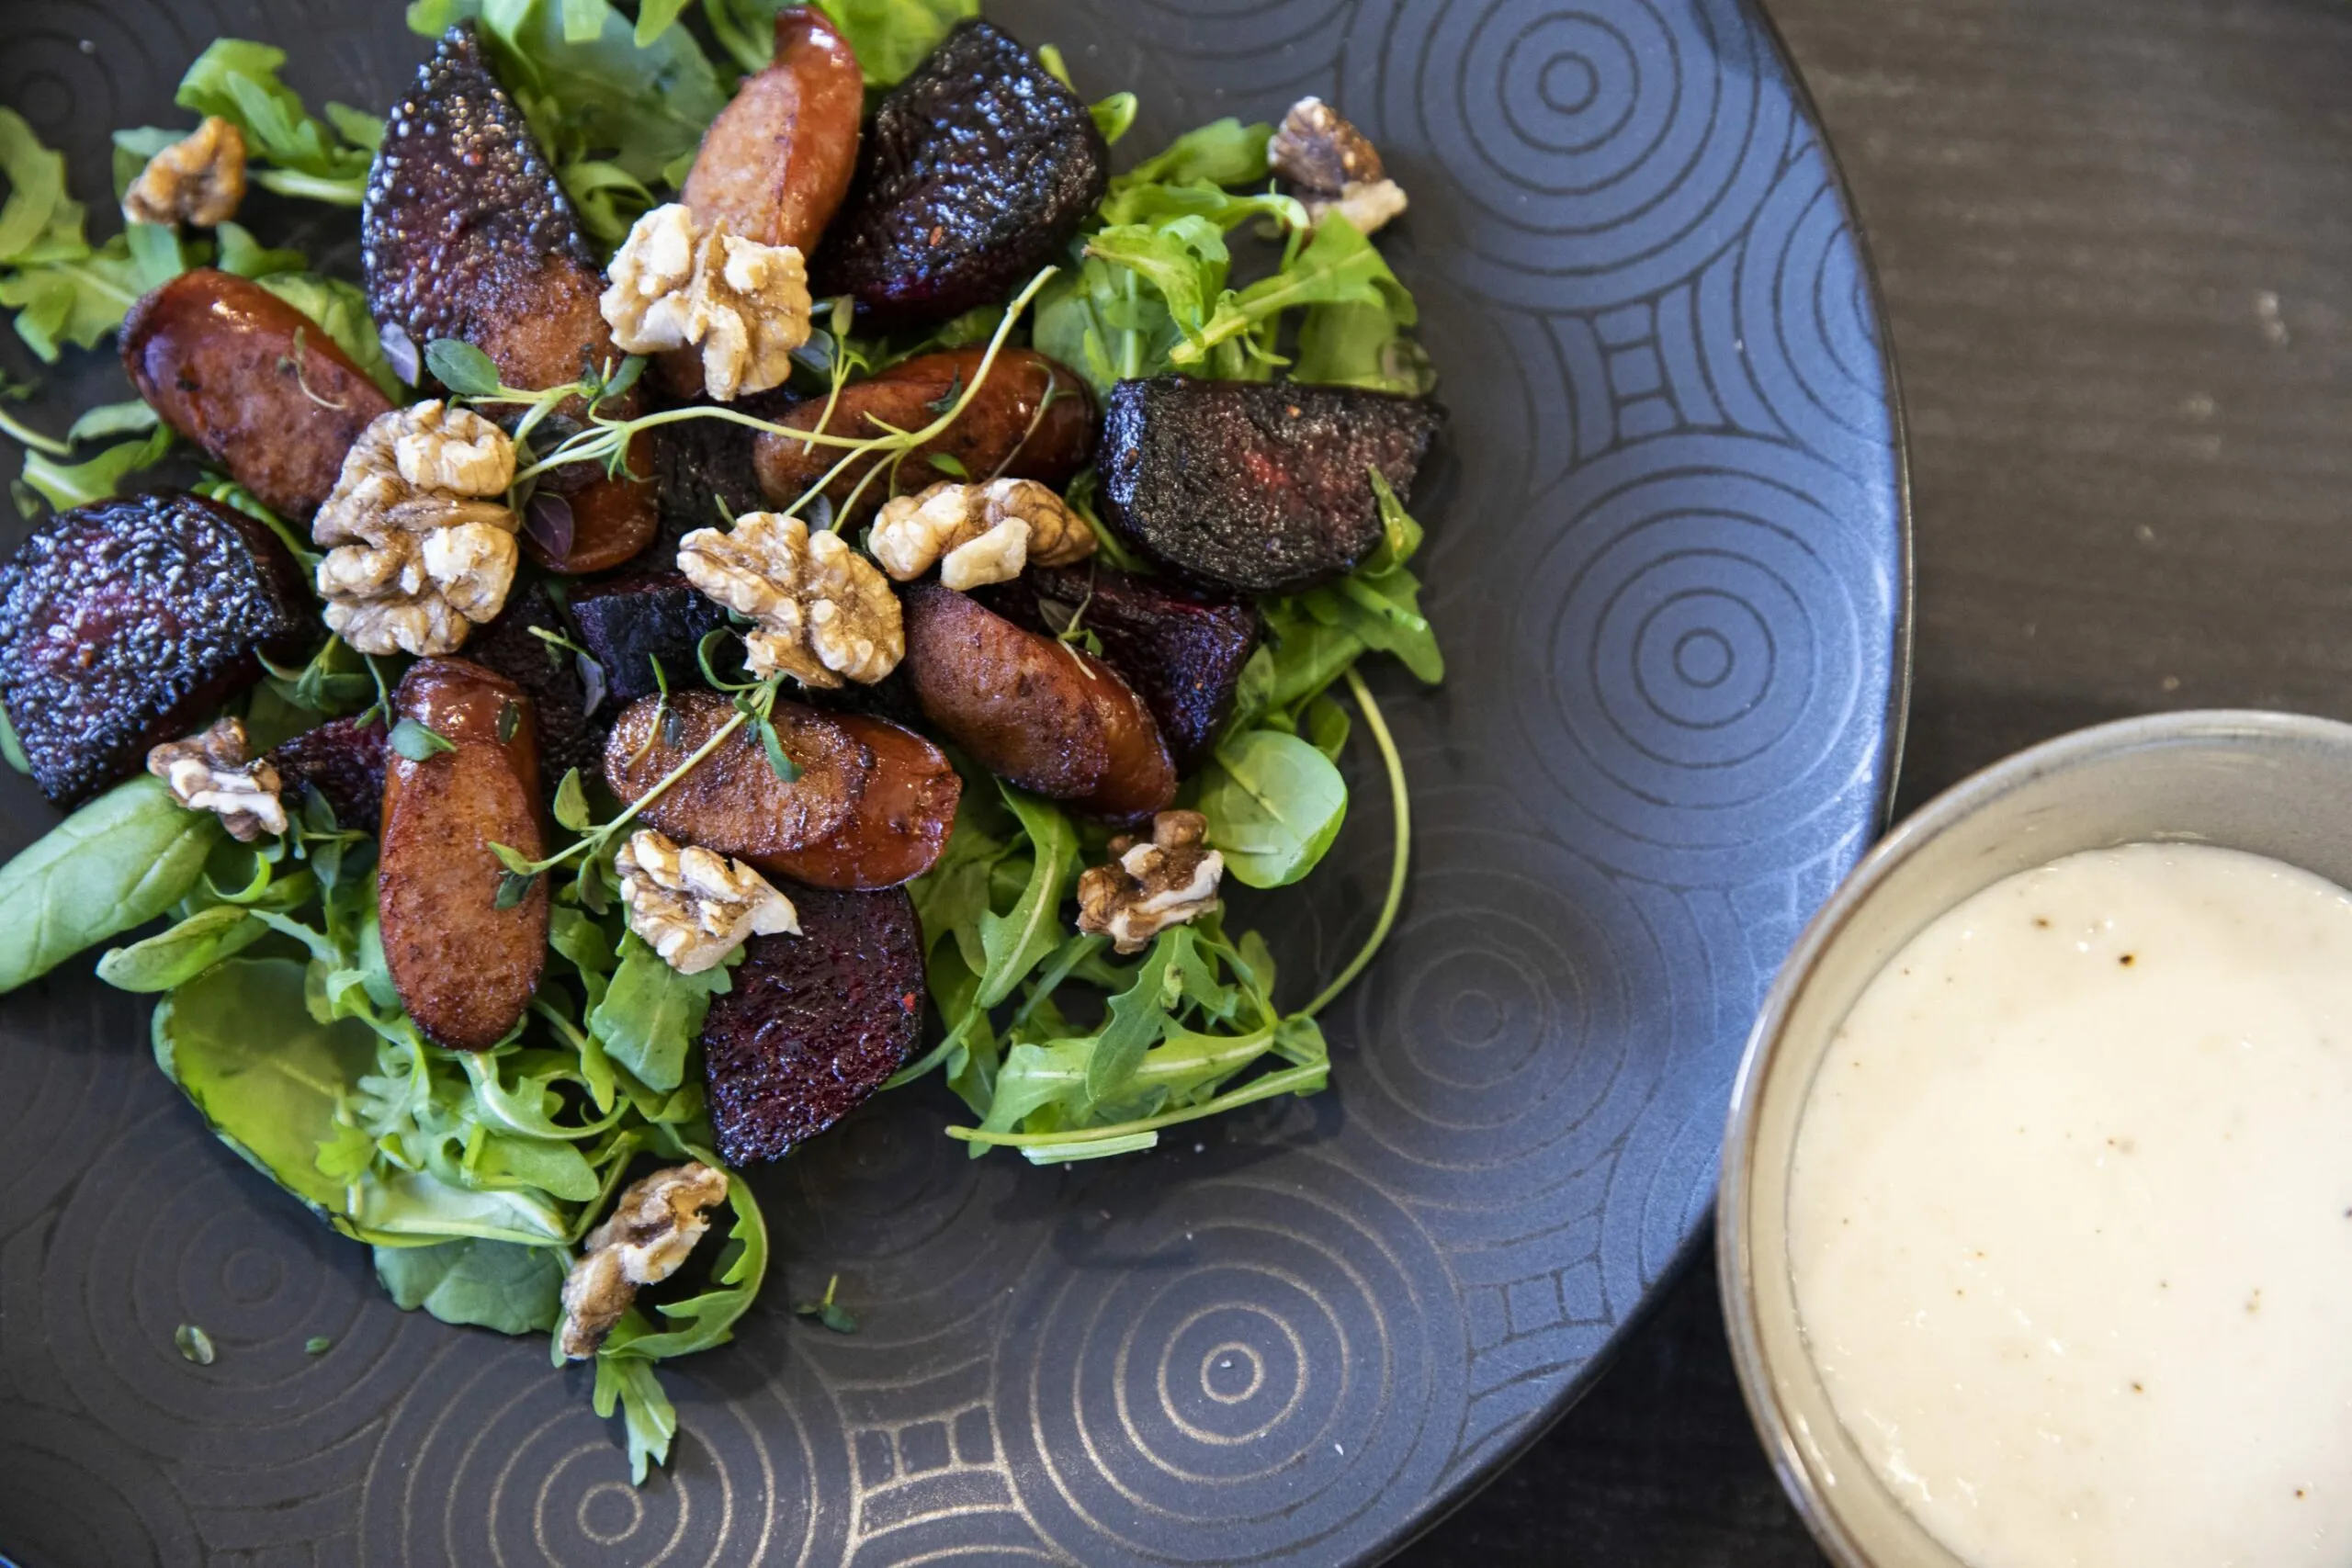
(2070,1217)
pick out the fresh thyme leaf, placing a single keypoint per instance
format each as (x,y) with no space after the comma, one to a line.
(786,770)
(514,887)
(460,366)
(416,742)
(510,719)
(946,400)
(512,858)
(572,803)
(317,1345)
(827,1311)
(948,463)
(673,727)
(195,1345)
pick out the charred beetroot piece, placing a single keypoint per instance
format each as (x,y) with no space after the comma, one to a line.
(1031,419)
(813,1023)
(627,623)
(703,474)
(976,172)
(1258,487)
(252,381)
(511,646)
(1181,651)
(344,761)
(125,624)
(465,234)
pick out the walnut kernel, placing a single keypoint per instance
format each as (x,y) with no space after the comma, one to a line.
(1164,881)
(1334,166)
(648,1237)
(213,770)
(694,908)
(676,285)
(979,534)
(824,611)
(198,179)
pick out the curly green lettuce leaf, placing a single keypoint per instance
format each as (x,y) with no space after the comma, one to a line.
(116,863)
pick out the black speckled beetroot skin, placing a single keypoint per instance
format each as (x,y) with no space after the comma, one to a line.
(703,474)
(629,621)
(344,761)
(462,212)
(1181,651)
(815,1023)
(1258,487)
(976,172)
(550,675)
(125,624)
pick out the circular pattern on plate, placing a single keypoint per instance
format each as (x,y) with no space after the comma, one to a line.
(1665,561)
(1276,1358)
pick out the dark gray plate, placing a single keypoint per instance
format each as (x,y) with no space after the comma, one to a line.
(1667,560)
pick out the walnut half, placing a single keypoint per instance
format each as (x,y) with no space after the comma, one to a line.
(421,552)
(652,1230)
(1334,166)
(824,611)
(198,179)
(979,534)
(214,770)
(694,908)
(1165,881)
(675,285)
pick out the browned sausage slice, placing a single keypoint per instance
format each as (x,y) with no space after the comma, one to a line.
(732,802)
(1033,418)
(252,381)
(464,968)
(900,826)
(1033,709)
(777,161)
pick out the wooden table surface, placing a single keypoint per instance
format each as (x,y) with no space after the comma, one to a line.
(2114,239)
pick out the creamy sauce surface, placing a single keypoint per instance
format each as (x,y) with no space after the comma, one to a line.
(2071,1217)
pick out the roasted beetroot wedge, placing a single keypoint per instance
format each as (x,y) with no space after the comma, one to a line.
(627,623)
(344,761)
(1256,487)
(125,624)
(1181,651)
(976,172)
(813,1023)
(465,234)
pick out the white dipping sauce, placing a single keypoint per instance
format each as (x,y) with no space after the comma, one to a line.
(2071,1217)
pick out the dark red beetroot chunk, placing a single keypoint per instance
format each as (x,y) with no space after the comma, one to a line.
(549,674)
(1258,486)
(344,761)
(1181,651)
(976,171)
(629,621)
(703,474)
(814,1024)
(125,624)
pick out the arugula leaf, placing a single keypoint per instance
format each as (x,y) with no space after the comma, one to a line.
(247,257)
(1379,604)
(1136,1017)
(131,418)
(1012,943)
(628,1383)
(116,863)
(891,38)
(652,1013)
(38,208)
(267,1077)
(12,750)
(1273,805)
(1361,345)
(75,295)
(68,485)
(1338,266)
(1223,151)
(238,81)
(490,1284)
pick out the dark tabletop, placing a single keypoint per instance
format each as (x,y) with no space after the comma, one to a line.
(2114,238)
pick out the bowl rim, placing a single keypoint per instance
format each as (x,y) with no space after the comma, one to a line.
(1735,1256)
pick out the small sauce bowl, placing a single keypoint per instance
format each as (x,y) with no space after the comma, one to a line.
(2273,785)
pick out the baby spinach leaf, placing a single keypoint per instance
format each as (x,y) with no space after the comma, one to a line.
(1012,943)
(116,863)
(242,1044)
(652,1013)
(490,1284)
(415,1205)
(1273,805)
(175,957)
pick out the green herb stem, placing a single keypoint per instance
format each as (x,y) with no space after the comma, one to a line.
(1290,1080)
(1401,802)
